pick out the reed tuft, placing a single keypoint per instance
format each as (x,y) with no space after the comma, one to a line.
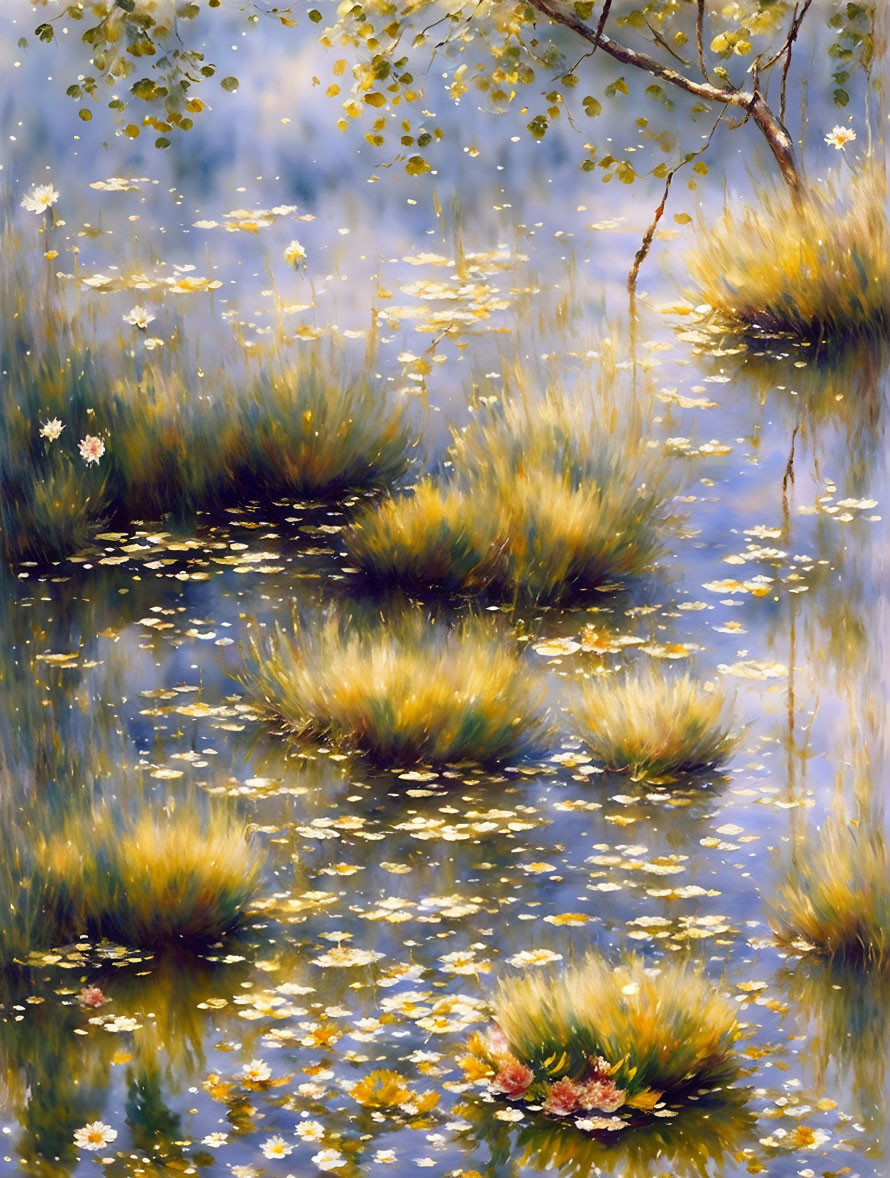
(815,269)
(148,881)
(598,1038)
(546,500)
(836,901)
(403,692)
(653,724)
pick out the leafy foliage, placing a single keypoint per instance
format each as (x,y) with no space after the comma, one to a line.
(520,55)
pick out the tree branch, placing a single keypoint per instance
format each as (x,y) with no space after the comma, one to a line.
(641,61)
(751,101)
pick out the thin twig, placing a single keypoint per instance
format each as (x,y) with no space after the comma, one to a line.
(601,24)
(648,237)
(666,46)
(700,38)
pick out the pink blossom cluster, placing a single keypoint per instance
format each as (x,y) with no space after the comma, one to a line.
(560,1098)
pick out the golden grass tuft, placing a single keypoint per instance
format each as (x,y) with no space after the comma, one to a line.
(639,1034)
(403,692)
(818,270)
(836,901)
(148,881)
(653,724)
(546,499)
(438,537)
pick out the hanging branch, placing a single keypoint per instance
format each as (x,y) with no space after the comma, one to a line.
(751,101)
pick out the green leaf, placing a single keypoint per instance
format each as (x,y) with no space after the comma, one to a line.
(538,127)
(841,97)
(592,106)
(229,83)
(314,15)
(583,9)
(619,86)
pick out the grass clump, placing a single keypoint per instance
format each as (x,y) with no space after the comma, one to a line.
(546,499)
(148,881)
(438,537)
(836,901)
(403,692)
(810,269)
(598,1039)
(654,725)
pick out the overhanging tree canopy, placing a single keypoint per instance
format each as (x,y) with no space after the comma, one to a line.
(731,58)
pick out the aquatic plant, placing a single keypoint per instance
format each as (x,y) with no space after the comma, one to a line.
(148,880)
(812,268)
(547,498)
(439,536)
(654,724)
(597,1039)
(836,899)
(402,691)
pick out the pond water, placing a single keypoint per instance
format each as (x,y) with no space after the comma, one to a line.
(393,900)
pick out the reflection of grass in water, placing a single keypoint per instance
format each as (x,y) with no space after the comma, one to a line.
(54,1078)
(654,724)
(403,691)
(149,880)
(836,899)
(663,1031)
(817,270)
(546,499)
(848,1012)
(694,1143)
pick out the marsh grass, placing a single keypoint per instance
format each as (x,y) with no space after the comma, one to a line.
(836,899)
(818,270)
(654,725)
(437,537)
(150,880)
(638,1034)
(546,499)
(403,691)
(177,440)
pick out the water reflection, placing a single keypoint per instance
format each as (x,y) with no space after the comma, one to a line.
(697,1141)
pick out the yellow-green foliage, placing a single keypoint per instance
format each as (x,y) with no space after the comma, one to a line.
(150,880)
(812,269)
(402,692)
(665,1030)
(439,536)
(654,724)
(547,498)
(837,898)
